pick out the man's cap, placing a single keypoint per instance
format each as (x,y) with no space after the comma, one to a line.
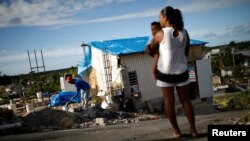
(67,75)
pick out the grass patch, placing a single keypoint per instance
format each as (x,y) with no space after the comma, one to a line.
(233,102)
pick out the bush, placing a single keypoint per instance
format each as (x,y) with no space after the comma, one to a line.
(239,101)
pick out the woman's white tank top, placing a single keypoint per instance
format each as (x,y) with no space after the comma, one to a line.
(172,58)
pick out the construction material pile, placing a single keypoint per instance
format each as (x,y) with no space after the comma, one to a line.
(49,119)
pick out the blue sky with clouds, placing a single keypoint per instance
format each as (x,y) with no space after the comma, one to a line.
(58,27)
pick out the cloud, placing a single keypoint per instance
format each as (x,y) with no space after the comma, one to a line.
(147,13)
(7,56)
(64,12)
(53,59)
(46,12)
(2,51)
(207,5)
(242,29)
(220,35)
(62,52)
(194,6)
(209,35)
(15,20)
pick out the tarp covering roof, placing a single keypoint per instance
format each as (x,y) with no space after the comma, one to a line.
(122,46)
(197,42)
(129,45)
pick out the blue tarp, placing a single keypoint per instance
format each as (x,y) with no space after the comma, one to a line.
(129,45)
(85,62)
(120,47)
(63,97)
(197,43)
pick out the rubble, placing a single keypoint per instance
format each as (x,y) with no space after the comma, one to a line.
(101,121)
(10,123)
(50,119)
(53,119)
(244,120)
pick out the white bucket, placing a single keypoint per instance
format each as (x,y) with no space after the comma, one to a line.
(39,96)
(29,107)
(12,107)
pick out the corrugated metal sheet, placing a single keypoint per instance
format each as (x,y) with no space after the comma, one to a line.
(142,64)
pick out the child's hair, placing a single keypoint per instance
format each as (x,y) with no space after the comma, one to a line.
(156,24)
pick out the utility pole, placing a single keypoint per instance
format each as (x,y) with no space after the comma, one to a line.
(42,60)
(36,67)
(36,61)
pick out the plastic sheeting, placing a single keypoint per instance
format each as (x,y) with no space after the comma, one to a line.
(63,97)
(122,46)
(197,43)
(85,62)
(130,45)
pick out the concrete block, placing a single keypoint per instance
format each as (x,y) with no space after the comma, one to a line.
(101,121)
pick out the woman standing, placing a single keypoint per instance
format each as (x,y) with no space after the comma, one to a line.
(172,69)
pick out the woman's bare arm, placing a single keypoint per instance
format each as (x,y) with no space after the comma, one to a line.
(187,45)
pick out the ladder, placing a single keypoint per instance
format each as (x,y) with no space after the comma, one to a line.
(107,70)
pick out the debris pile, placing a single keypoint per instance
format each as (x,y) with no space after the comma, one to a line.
(49,119)
(10,123)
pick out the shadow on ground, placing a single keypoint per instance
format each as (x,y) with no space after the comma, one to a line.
(184,137)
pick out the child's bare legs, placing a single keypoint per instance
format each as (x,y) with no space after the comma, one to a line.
(154,65)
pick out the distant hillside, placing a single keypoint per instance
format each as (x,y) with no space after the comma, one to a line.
(237,45)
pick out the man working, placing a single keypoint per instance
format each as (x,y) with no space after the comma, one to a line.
(82,87)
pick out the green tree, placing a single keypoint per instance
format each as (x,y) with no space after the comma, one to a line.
(238,71)
(33,89)
(232,44)
(227,60)
(239,59)
(216,65)
(5,80)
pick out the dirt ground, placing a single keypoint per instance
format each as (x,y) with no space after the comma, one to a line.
(150,130)
(56,125)
(52,119)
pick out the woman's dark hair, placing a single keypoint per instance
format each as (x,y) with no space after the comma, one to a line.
(174,16)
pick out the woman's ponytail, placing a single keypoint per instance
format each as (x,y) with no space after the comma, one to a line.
(177,20)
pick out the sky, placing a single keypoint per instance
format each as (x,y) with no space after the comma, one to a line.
(59,27)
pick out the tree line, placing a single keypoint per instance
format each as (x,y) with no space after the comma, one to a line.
(32,83)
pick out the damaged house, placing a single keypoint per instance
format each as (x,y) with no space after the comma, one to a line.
(122,66)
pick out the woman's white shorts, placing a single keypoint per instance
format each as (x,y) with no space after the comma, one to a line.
(160,83)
